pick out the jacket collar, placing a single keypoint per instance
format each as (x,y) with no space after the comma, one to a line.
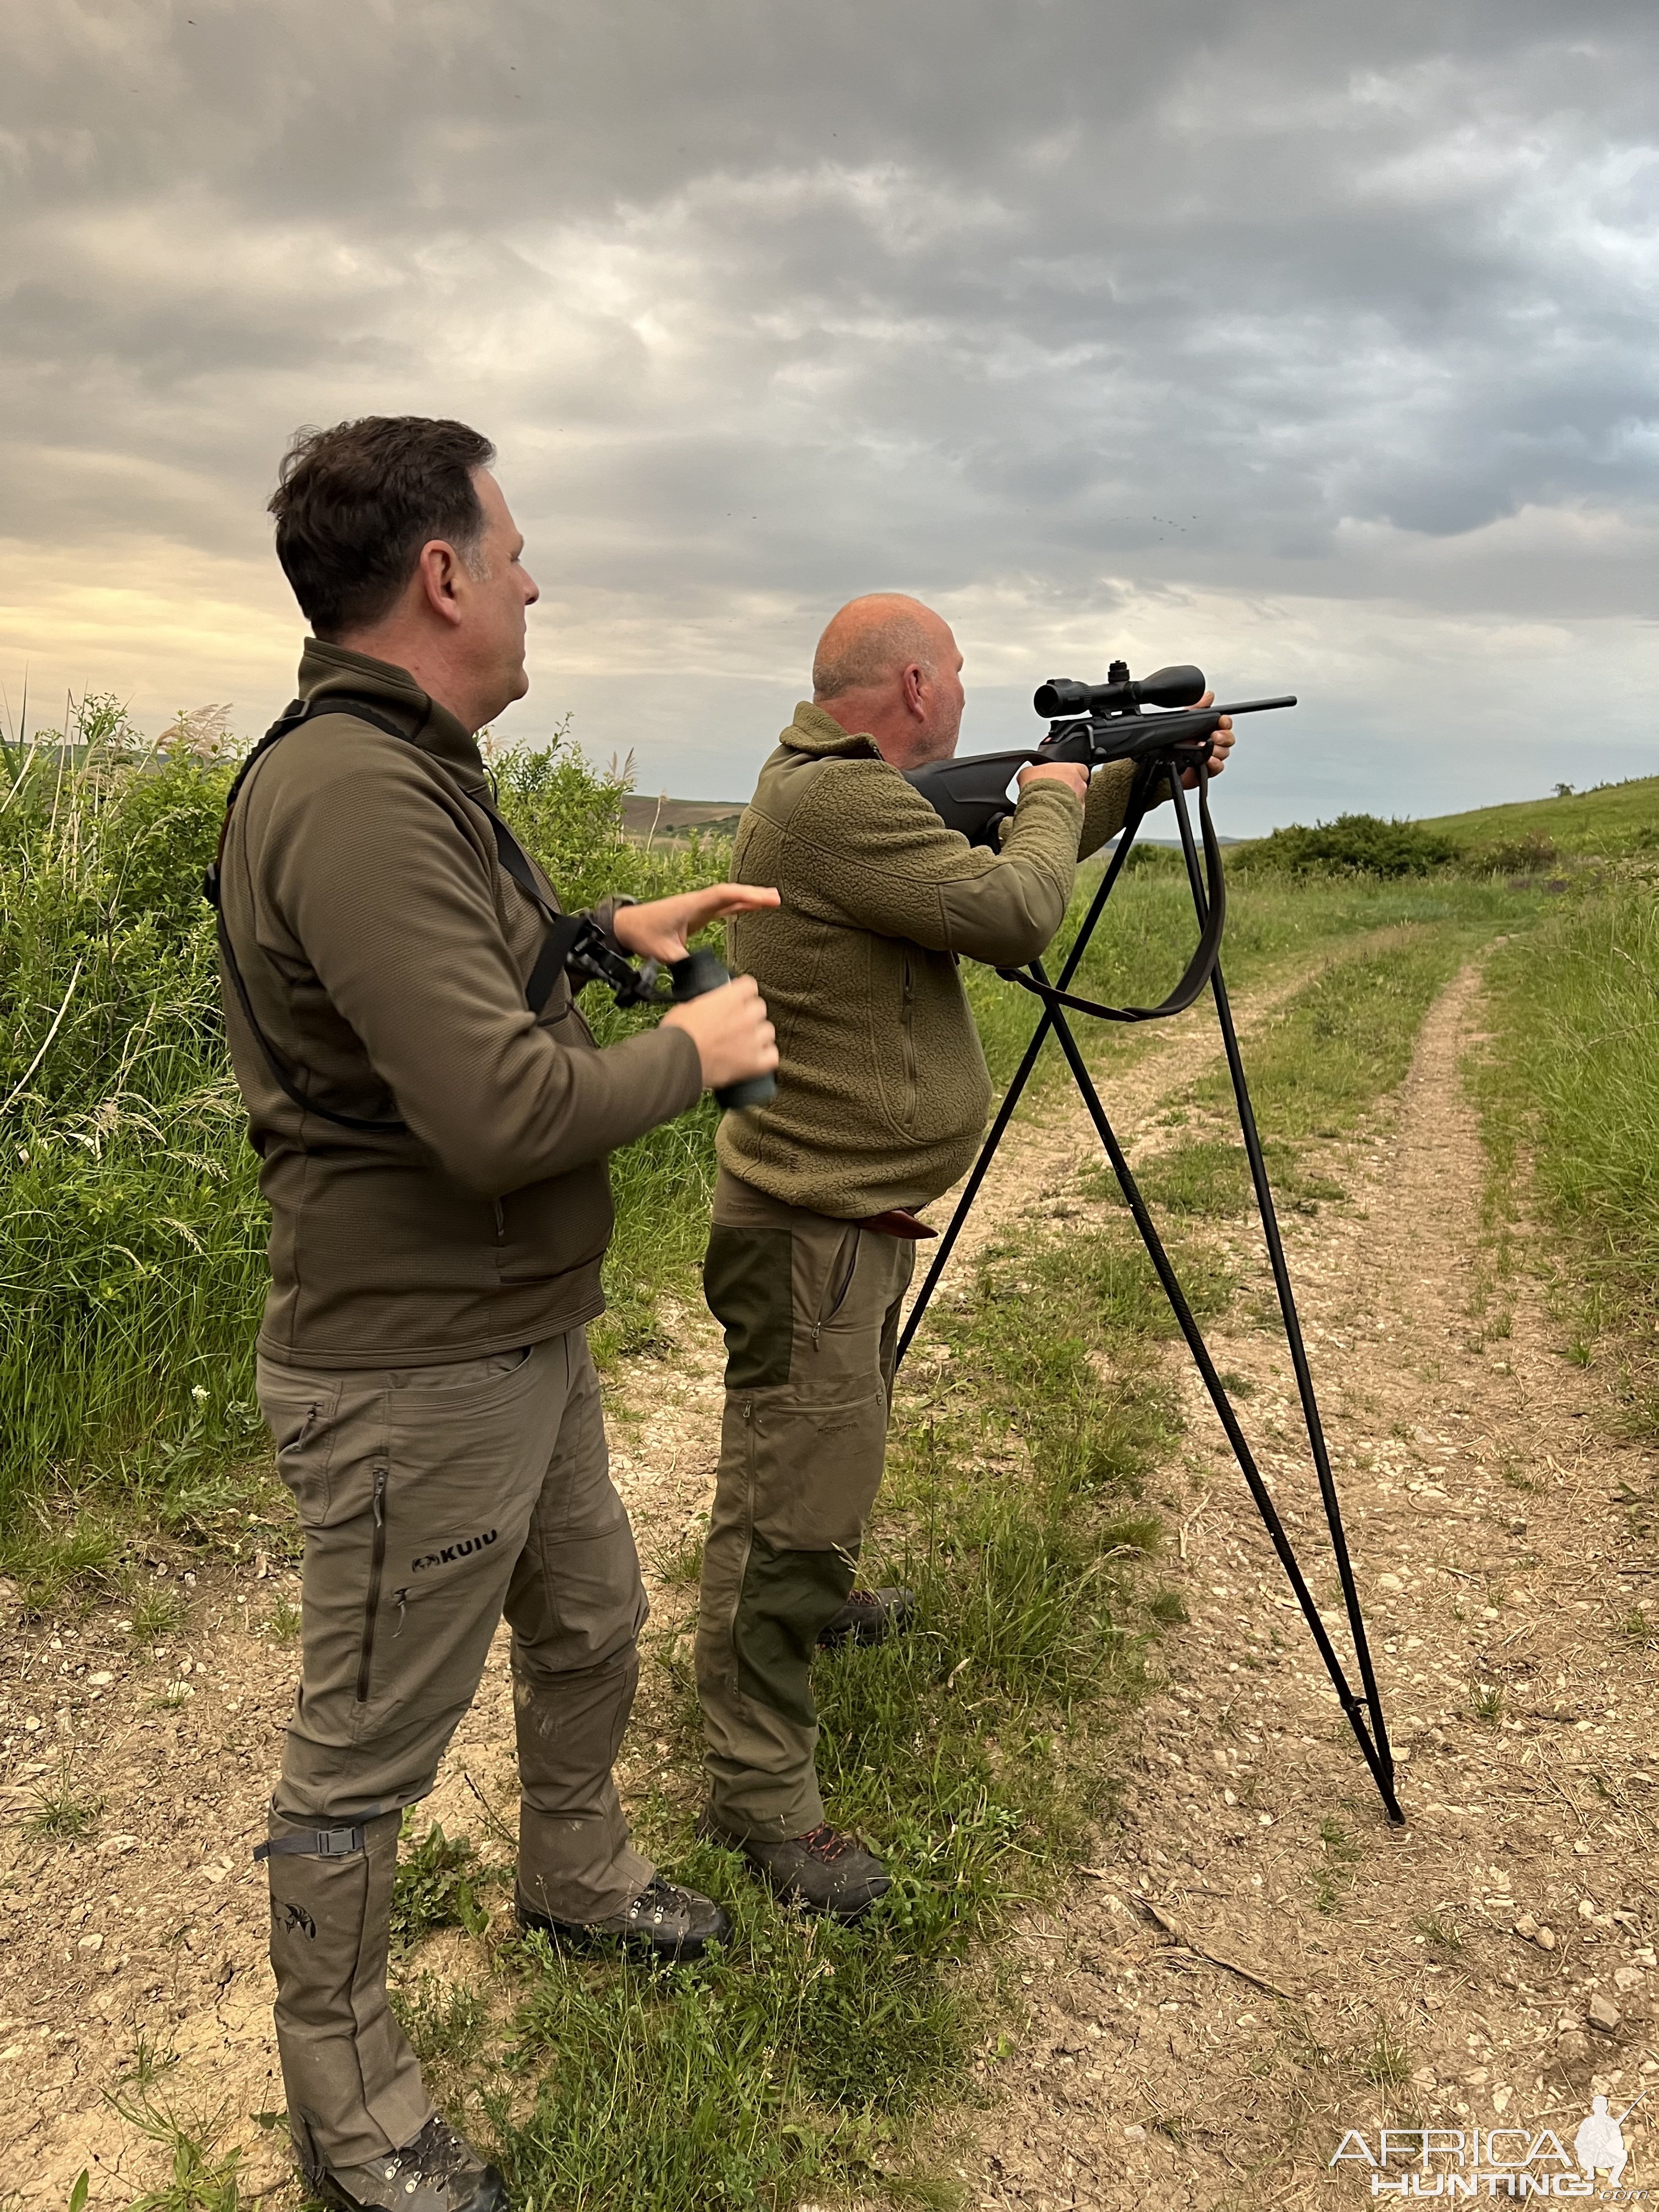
(325,669)
(821,735)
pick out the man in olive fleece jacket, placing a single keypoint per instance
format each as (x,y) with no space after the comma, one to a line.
(432,1136)
(881,1103)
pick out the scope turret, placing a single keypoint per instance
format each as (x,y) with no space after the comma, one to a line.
(1166,687)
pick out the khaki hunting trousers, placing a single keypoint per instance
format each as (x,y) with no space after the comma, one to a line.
(432,1501)
(810,1309)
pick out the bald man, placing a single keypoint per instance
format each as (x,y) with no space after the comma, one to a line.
(882,1098)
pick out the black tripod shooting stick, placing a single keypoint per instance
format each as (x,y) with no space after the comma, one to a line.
(1363,1709)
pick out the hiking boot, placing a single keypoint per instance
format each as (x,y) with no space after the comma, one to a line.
(663,1922)
(823,1871)
(439,2172)
(870,1617)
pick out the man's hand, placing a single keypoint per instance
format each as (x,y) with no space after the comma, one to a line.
(659,929)
(1073,775)
(1220,745)
(734,1039)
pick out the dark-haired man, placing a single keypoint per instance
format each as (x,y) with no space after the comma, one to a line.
(432,1119)
(881,1103)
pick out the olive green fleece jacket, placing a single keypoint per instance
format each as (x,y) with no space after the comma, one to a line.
(882,1088)
(386,953)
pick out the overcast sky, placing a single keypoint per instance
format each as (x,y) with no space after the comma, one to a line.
(1312,341)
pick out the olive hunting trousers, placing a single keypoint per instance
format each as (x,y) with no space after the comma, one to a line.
(810,1309)
(433,1500)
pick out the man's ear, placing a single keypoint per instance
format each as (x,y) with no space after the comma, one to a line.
(439,570)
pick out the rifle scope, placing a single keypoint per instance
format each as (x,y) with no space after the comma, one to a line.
(1060,696)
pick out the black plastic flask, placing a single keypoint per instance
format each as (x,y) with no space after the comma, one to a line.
(688,979)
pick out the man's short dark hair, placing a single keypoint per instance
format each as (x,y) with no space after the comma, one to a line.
(355,505)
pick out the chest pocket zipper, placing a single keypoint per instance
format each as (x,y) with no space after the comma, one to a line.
(376,1570)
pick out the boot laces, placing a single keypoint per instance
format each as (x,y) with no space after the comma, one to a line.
(657,1901)
(435,2154)
(824,1843)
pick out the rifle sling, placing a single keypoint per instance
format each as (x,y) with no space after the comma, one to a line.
(1200,968)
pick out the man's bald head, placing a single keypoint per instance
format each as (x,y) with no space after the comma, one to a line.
(888,666)
(872,639)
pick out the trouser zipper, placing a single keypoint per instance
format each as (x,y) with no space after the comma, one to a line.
(377,1566)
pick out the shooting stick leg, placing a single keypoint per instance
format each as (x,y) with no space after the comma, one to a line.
(1375,1754)
(1293,1337)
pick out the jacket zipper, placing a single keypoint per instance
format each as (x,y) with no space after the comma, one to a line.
(501,1222)
(377,1566)
(907,1026)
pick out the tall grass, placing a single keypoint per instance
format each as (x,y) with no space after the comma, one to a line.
(1572,1082)
(131,1235)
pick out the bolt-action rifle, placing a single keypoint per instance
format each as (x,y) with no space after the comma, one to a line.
(1090,722)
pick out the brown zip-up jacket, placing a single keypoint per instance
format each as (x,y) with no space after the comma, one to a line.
(386,953)
(882,1088)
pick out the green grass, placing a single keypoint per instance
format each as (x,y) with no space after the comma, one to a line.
(435,1886)
(1619,819)
(204,2175)
(1147,932)
(1570,1088)
(1347,1037)
(58,1810)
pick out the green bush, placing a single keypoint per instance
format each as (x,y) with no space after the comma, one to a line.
(1354,844)
(1533,854)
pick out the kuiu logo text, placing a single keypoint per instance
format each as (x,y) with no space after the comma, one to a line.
(461,1549)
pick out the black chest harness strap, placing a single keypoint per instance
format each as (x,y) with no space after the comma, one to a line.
(563,930)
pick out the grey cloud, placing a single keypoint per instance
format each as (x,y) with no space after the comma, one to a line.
(1067,306)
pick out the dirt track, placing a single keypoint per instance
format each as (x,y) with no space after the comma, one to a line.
(1499,1569)
(1479,1483)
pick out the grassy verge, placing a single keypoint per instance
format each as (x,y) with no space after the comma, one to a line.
(1568,1088)
(1023,1505)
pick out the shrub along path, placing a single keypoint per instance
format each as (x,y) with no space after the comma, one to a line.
(136,1925)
